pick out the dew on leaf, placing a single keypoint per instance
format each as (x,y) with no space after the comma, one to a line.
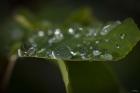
(97,42)
(83,56)
(90,47)
(57,31)
(73,53)
(96,52)
(78,45)
(41,50)
(117,46)
(106,56)
(71,31)
(80,28)
(123,36)
(31,51)
(19,52)
(83,42)
(77,35)
(106,40)
(105,30)
(41,33)
(58,34)
(91,32)
(51,40)
(53,55)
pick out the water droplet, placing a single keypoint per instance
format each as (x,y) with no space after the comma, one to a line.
(106,56)
(80,28)
(92,32)
(30,51)
(71,31)
(90,47)
(31,40)
(83,56)
(106,40)
(97,42)
(41,50)
(96,52)
(19,52)
(51,40)
(58,36)
(118,22)
(57,31)
(40,33)
(123,36)
(117,46)
(78,45)
(73,53)
(105,30)
(53,55)
(77,35)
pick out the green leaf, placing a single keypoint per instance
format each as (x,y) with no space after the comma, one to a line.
(108,42)
(83,16)
(91,77)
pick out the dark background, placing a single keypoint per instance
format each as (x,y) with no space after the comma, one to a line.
(103,9)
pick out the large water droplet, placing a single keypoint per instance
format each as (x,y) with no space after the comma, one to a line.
(71,31)
(106,56)
(97,42)
(62,52)
(105,30)
(79,45)
(73,53)
(77,35)
(19,53)
(96,52)
(31,51)
(41,33)
(41,50)
(106,40)
(80,28)
(53,55)
(58,36)
(83,56)
(57,31)
(92,32)
(51,40)
(90,47)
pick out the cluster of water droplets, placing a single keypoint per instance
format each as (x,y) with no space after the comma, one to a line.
(71,43)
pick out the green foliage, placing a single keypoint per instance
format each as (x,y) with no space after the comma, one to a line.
(102,43)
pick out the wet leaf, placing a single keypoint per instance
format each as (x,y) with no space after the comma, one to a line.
(108,42)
